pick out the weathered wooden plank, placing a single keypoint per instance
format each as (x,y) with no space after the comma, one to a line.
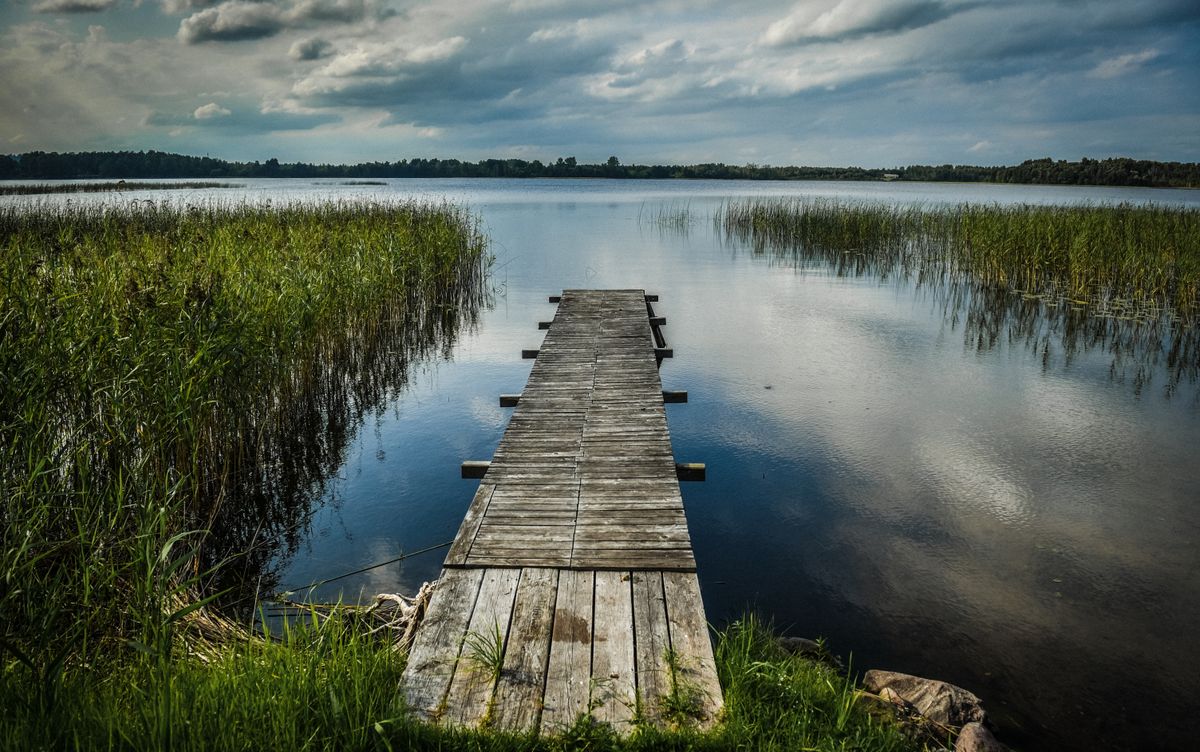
(696,670)
(614,673)
(569,671)
(584,481)
(470,524)
(651,642)
(518,699)
(436,647)
(471,687)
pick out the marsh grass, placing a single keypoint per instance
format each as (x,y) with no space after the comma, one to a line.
(30,189)
(324,684)
(983,289)
(175,379)
(1125,260)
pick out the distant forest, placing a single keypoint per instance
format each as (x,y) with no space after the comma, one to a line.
(156,164)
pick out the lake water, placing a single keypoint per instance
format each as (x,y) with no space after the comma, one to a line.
(939,480)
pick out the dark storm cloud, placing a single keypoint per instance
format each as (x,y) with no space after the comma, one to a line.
(72,6)
(818,81)
(241,20)
(311,49)
(231,22)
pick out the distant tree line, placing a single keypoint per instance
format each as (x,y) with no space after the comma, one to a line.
(40,165)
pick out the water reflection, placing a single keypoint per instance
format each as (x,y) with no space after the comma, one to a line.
(287,459)
(1147,347)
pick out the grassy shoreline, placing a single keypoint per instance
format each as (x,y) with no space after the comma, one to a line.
(326,685)
(175,379)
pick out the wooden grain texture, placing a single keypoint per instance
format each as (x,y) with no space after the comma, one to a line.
(473,682)
(435,650)
(518,700)
(696,673)
(652,641)
(614,679)
(584,476)
(569,671)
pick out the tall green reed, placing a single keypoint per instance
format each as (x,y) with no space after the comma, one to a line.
(1146,255)
(163,367)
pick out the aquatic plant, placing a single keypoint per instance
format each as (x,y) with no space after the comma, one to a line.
(1128,257)
(174,379)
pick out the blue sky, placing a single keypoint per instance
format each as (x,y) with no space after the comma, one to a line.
(873,83)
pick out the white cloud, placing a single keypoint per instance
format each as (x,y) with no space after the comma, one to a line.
(979,146)
(1123,64)
(378,62)
(210,111)
(845,18)
(232,21)
(239,20)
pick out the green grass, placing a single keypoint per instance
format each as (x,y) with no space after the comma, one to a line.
(30,189)
(1144,258)
(177,381)
(322,685)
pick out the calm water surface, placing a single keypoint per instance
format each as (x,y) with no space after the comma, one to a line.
(937,480)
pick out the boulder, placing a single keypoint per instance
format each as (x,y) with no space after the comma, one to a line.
(936,700)
(802,646)
(975,737)
(810,649)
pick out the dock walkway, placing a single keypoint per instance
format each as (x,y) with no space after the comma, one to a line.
(570,588)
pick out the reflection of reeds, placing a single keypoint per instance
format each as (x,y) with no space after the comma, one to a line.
(168,369)
(1142,255)
(1059,303)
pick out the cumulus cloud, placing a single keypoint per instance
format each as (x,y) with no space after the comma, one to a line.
(232,21)
(1123,64)
(72,6)
(378,63)
(210,111)
(311,49)
(651,72)
(239,20)
(812,21)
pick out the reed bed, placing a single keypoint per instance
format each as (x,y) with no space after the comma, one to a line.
(174,378)
(1127,260)
(30,189)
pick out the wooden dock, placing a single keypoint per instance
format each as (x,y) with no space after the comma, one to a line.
(571,587)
